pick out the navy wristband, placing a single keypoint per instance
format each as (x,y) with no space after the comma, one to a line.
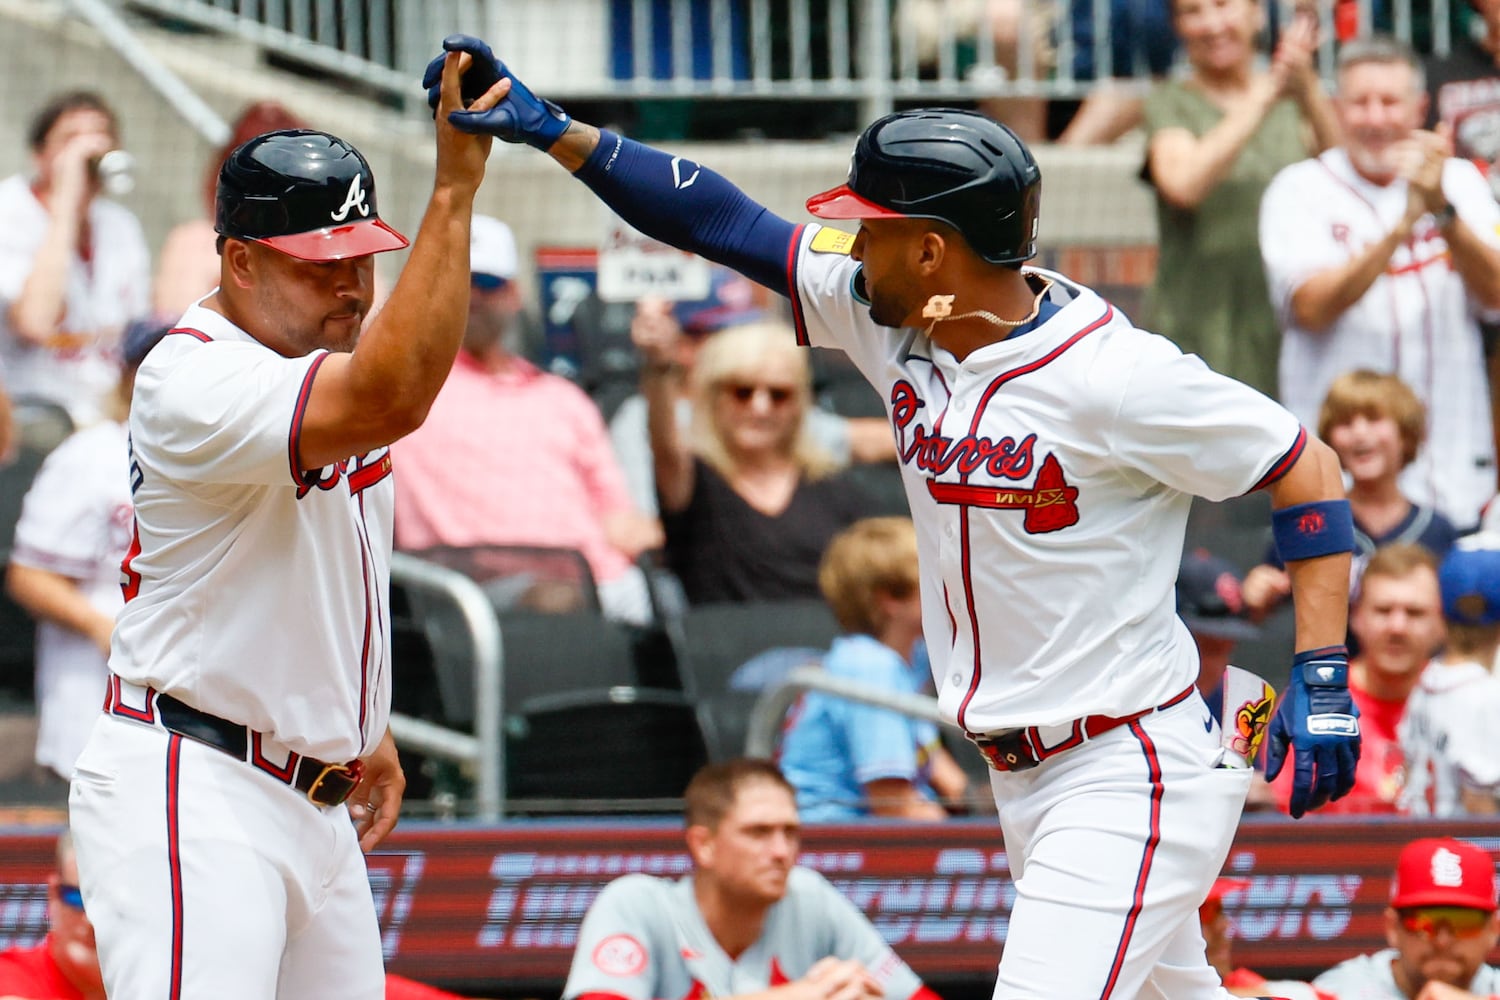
(1310,530)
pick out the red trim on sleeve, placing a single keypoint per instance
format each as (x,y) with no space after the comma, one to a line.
(294,442)
(1284,464)
(793,254)
(924,993)
(197,334)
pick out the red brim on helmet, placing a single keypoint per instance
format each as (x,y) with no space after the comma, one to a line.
(842,203)
(358,239)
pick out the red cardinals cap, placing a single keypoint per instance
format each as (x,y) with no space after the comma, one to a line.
(1441,871)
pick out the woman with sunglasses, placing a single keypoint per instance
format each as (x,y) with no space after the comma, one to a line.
(748,500)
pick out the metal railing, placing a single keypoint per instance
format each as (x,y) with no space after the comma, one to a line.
(484,749)
(870,51)
(771,707)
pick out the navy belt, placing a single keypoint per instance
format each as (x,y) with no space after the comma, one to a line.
(1023,749)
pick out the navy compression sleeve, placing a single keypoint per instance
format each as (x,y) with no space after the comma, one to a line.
(690,207)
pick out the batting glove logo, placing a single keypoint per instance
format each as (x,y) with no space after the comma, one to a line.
(354,199)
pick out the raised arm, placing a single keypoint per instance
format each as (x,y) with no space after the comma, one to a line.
(677,201)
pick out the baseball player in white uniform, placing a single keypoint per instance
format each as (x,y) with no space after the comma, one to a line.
(1381,253)
(746,920)
(74,529)
(1448,732)
(251,664)
(1050,452)
(74,267)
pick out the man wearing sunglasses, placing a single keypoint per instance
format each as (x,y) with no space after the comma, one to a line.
(1440,925)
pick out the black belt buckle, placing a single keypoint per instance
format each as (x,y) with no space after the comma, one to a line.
(1006,751)
(335,783)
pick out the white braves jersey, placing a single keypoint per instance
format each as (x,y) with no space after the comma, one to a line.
(75,522)
(644,939)
(79,366)
(255,590)
(1448,738)
(1416,321)
(1368,977)
(1049,476)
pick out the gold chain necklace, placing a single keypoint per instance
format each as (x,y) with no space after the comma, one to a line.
(940,308)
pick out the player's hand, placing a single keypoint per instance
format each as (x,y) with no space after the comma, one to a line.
(520,116)
(1317,717)
(376,803)
(460,156)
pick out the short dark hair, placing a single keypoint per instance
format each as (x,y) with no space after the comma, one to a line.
(713,790)
(46,118)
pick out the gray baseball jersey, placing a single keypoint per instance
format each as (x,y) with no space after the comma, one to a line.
(645,939)
(1369,977)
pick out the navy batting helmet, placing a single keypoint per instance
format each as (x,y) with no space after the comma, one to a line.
(958,167)
(308,194)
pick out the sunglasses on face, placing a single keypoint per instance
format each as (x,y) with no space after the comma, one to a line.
(71,896)
(742,392)
(486,282)
(1460,921)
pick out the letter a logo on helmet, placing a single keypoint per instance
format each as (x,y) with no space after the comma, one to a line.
(354,199)
(307,194)
(954,166)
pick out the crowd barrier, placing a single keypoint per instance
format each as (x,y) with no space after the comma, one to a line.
(495,909)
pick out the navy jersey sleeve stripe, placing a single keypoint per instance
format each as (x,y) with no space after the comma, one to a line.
(1284,463)
(690,207)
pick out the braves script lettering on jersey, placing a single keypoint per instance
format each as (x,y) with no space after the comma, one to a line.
(644,938)
(1044,472)
(217,484)
(1417,320)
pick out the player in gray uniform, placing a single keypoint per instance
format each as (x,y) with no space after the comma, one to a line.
(747,919)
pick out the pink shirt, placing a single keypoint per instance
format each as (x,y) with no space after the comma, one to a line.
(518,457)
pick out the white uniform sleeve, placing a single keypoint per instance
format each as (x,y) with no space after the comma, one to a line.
(1195,430)
(619,943)
(855,937)
(1294,244)
(64,526)
(222,412)
(827,310)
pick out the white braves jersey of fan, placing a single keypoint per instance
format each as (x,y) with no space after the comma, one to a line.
(644,939)
(79,366)
(75,522)
(1050,476)
(1448,738)
(1416,321)
(215,476)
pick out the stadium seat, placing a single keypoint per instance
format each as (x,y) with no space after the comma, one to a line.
(617,749)
(539,578)
(725,720)
(715,639)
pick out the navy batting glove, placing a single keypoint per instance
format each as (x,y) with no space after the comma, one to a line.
(520,117)
(1318,718)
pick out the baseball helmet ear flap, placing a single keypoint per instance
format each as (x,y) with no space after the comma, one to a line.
(305,193)
(954,166)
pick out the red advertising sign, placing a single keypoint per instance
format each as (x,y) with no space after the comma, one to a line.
(501,905)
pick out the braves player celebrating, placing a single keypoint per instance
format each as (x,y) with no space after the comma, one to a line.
(1050,452)
(251,663)
(747,919)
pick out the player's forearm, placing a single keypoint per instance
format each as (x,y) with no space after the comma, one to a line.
(575,146)
(1320,586)
(1320,300)
(1476,262)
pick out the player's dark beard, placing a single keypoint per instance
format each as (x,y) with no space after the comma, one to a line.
(883,310)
